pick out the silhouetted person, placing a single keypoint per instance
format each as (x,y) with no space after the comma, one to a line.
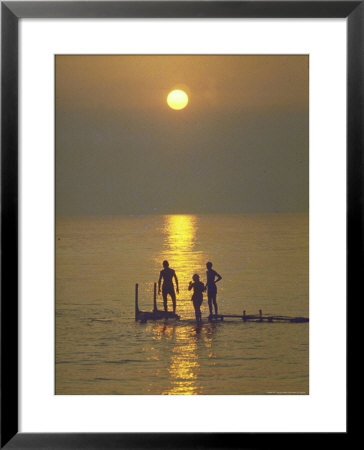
(168,288)
(197,297)
(212,278)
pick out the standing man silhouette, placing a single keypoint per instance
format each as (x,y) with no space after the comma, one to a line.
(211,286)
(168,288)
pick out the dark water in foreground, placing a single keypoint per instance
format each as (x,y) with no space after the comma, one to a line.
(100,349)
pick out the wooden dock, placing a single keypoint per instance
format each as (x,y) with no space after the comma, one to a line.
(258,318)
(157,314)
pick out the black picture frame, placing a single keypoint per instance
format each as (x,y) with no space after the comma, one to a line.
(11,12)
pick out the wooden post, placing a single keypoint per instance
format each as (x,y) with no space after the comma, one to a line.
(244,318)
(155,297)
(136,302)
(260,316)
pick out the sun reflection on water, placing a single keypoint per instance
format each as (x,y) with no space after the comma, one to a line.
(187,343)
(181,250)
(184,364)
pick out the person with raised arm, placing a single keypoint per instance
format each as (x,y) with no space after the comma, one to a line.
(197,297)
(212,278)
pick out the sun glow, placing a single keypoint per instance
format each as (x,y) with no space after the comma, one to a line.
(177,99)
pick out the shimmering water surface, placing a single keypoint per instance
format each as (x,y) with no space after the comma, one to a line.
(100,349)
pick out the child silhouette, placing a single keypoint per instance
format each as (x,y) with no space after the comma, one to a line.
(197,297)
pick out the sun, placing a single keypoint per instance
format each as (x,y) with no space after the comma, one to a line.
(177,99)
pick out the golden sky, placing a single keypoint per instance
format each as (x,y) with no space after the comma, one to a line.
(222,83)
(242,139)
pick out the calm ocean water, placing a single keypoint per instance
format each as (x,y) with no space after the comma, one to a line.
(100,349)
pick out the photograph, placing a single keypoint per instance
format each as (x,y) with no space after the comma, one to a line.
(181,228)
(181,212)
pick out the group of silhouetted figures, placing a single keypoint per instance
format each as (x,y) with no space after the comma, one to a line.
(198,287)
